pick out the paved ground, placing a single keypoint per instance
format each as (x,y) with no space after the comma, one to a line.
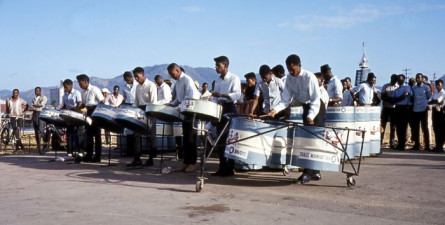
(395,188)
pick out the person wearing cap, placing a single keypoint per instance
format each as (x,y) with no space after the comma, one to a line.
(185,90)
(421,95)
(227,92)
(249,92)
(115,99)
(279,72)
(37,103)
(270,88)
(302,85)
(387,114)
(402,99)
(365,91)
(91,97)
(146,93)
(164,91)
(438,104)
(105,92)
(334,86)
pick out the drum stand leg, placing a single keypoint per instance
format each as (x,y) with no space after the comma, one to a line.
(163,168)
(109,154)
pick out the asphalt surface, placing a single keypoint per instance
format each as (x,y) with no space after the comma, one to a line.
(395,188)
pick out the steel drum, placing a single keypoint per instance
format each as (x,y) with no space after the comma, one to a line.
(132,118)
(255,152)
(51,116)
(204,110)
(75,118)
(362,119)
(374,130)
(164,112)
(341,117)
(311,151)
(104,116)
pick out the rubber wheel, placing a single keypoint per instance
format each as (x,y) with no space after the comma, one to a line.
(199,185)
(286,171)
(5,136)
(350,181)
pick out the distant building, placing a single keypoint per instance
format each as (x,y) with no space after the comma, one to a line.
(56,95)
(362,73)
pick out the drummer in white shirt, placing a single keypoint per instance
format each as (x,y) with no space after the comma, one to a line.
(227,92)
(270,88)
(335,87)
(115,99)
(129,89)
(146,93)
(164,90)
(302,85)
(185,90)
(91,97)
(71,100)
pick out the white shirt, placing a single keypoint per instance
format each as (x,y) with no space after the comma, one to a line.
(91,96)
(71,99)
(16,107)
(347,99)
(129,93)
(439,96)
(303,88)
(230,85)
(114,101)
(271,93)
(365,93)
(324,96)
(145,93)
(164,94)
(39,102)
(389,90)
(206,96)
(335,88)
(185,88)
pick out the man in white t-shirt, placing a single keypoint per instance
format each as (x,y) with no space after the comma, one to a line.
(15,109)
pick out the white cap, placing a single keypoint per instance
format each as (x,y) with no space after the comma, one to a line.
(105,90)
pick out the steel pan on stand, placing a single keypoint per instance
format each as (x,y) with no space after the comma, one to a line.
(132,118)
(51,116)
(104,116)
(164,112)
(74,118)
(202,109)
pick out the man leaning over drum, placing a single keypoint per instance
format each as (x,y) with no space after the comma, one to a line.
(185,89)
(302,85)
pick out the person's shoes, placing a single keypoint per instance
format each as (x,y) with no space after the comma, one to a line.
(181,169)
(190,168)
(136,163)
(316,177)
(304,178)
(149,162)
(96,160)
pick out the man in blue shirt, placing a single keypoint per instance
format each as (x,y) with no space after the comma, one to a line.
(421,95)
(401,97)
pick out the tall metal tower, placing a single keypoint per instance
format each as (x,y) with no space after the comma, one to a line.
(362,73)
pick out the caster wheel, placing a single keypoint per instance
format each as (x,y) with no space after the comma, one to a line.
(286,171)
(350,181)
(199,185)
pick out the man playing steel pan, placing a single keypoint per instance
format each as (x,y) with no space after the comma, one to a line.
(302,86)
(71,100)
(227,92)
(91,97)
(185,89)
(270,87)
(146,93)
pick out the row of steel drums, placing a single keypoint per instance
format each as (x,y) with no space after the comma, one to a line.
(305,146)
(127,119)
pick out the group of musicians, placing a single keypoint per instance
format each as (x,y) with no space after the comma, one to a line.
(276,91)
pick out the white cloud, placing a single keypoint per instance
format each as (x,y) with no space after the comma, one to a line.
(192,9)
(347,18)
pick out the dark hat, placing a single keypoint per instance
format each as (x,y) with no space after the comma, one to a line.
(325,68)
(264,69)
(222,59)
(250,75)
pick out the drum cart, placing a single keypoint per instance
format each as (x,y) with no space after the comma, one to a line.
(346,159)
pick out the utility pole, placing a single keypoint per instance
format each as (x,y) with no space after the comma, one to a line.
(406,74)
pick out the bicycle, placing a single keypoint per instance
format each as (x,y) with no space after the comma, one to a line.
(53,137)
(9,132)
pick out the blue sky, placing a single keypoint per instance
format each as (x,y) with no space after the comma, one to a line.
(43,42)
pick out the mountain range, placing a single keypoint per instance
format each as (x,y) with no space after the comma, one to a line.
(200,74)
